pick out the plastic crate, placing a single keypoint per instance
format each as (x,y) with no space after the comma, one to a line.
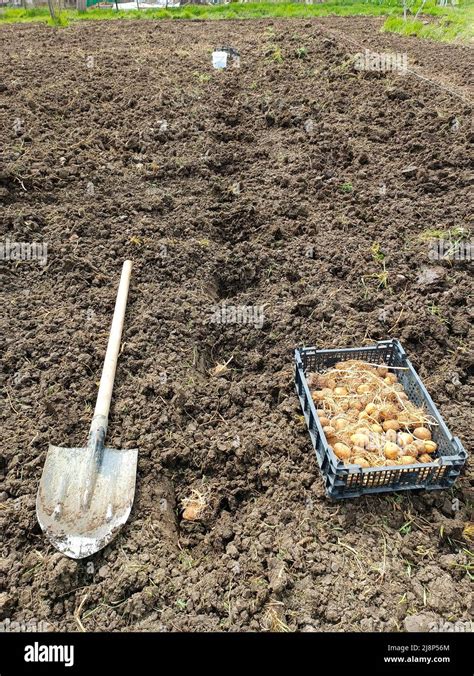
(349,481)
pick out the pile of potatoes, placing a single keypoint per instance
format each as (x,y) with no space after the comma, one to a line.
(368,418)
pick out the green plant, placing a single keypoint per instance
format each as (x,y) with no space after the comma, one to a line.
(377,254)
(380,277)
(436,311)
(405,529)
(60,19)
(347,187)
(186,560)
(276,54)
(457,234)
(202,77)
(301,52)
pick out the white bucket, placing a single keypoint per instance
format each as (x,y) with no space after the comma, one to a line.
(219,59)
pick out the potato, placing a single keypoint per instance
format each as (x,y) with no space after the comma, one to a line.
(422,433)
(364,388)
(391,435)
(391,451)
(388,412)
(430,446)
(366,414)
(342,451)
(192,511)
(419,445)
(404,439)
(317,395)
(411,449)
(391,425)
(359,439)
(360,461)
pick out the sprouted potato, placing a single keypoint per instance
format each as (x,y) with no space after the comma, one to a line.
(368,419)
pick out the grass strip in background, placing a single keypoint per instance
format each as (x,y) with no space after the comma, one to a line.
(449,24)
(458,26)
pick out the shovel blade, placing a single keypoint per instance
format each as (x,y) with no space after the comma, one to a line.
(72,528)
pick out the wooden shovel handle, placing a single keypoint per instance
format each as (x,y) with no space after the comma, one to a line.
(110,363)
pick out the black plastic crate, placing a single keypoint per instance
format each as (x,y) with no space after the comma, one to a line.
(349,481)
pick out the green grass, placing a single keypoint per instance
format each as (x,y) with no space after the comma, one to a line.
(451,24)
(456,233)
(457,26)
(231,11)
(347,187)
(276,54)
(301,52)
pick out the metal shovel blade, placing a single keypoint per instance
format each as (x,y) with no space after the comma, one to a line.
(76,529)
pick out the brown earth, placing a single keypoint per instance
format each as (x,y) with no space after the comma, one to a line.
(281,184)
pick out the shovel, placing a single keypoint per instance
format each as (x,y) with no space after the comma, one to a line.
(85,494)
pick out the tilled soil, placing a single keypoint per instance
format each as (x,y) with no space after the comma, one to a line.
(295,185)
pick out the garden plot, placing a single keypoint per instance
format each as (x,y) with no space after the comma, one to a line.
(291,201)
